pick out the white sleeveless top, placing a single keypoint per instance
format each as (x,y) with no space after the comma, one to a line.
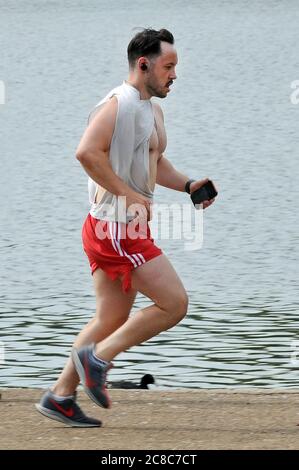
(129,151)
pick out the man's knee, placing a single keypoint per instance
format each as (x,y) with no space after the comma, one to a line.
(177,307)
(181,305)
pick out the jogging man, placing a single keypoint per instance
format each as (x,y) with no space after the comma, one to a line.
(122,151)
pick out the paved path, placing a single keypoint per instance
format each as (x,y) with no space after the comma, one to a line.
(175,419)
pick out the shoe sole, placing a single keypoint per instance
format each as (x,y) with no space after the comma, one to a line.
(81,373)
(57,417)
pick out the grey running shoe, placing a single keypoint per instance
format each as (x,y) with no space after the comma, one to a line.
(92,375)
(67,411)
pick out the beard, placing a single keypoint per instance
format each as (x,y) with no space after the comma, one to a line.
(154,88)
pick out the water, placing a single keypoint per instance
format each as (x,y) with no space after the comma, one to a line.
(229,117)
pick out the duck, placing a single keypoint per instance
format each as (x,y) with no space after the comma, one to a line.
(146,380)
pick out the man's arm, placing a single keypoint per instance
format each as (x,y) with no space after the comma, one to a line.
(93,150)
(169,177)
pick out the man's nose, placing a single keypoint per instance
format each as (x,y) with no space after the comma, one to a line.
(173,75)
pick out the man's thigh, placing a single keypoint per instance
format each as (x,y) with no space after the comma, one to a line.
(158,280)
(110,298)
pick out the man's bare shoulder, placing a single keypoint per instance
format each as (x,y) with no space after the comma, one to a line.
(98,134)
(106,109)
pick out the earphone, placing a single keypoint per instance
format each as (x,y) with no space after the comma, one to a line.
(143,66)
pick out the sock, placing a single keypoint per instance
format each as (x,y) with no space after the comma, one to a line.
(98,360)
(59,398)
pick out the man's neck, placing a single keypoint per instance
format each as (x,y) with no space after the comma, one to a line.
(144,94)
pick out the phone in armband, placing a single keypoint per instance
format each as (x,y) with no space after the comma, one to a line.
(205,193)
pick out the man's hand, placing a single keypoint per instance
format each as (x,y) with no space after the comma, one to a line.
(139,206)
(198,184)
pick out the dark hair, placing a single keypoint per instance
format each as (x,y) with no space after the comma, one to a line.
(147,43)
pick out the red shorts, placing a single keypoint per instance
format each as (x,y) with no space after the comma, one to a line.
(110,246)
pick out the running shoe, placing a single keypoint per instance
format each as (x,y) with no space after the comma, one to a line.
(67,411)
(92,375)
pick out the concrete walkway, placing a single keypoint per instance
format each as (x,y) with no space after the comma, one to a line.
(168,420)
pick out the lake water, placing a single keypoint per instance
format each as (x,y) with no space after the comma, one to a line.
(229,116)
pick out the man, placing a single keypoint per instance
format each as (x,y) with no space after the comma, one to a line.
(122,152)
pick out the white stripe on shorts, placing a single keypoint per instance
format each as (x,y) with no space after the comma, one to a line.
(117,233)
(137,259)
